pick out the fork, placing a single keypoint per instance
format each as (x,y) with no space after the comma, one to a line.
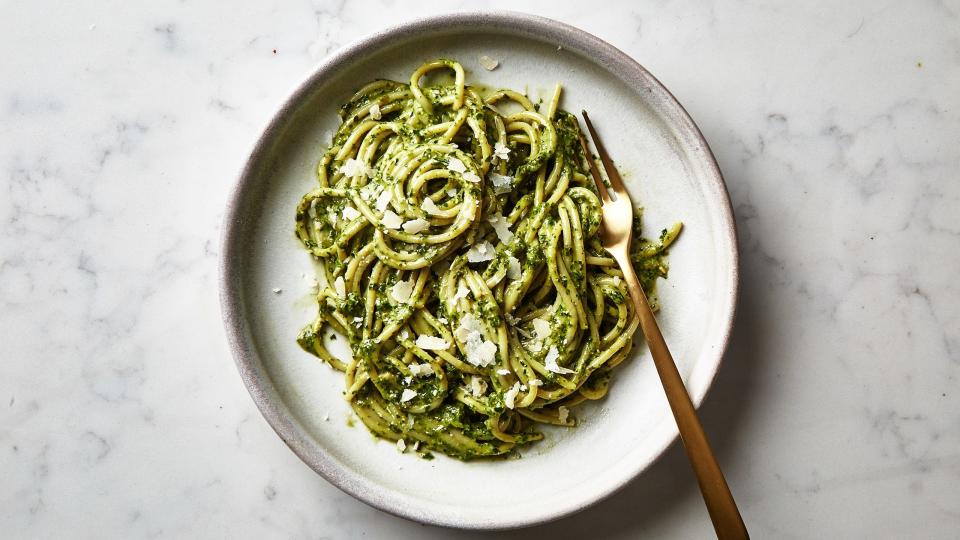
(616,228)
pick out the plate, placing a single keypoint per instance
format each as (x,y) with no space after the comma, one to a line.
(668,168)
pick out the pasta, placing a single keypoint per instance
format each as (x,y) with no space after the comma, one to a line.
(456,237)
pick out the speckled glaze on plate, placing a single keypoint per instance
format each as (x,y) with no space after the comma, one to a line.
(668,168)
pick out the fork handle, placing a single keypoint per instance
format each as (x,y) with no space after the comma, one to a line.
(720,504)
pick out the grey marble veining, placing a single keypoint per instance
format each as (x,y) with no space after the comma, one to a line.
(836,413)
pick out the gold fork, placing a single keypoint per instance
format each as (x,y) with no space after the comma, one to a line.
(616,228)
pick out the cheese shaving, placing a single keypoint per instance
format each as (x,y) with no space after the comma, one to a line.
(420,370)
(432,343)
(541,328)
(479,351)
(478,386)
(430,207)
(416,225)
(391,220)
(502,227)
(511,395)
(355,167)
(462,292)
(455,165)
(514,271)
(402,290)
(481,252)
(350,213)
(550,362)
(383,200)
(501,152)
(501,184)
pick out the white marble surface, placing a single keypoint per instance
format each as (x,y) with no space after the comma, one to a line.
(836,414)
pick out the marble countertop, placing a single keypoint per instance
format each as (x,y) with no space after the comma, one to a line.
(837,125)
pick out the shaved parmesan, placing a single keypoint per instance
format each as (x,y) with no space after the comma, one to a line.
(451,193)
(480,352)
(416,225)
(501,151)
(502,227)
(550,362)
(432,343)
(383,200)
(277,290)
(456,165)
(563,413)
(501,184)
(420,370)
(471,176)
(514,271)
(370,191)
(340,286)
(468,326)
(480,252)
(407,395)
(503,371)
(355,167)
(391,220)
(511,395)
(478,386)
(430,207)
(541,328)
(535,382)
(402,290)
(375,111)
(488,63)
(462,292)
(350,213)
(401,446)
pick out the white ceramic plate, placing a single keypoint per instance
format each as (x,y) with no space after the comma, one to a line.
(669,170)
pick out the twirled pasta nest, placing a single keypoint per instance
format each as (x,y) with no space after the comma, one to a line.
(459,255)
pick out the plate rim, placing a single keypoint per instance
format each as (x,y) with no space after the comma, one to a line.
(241,344)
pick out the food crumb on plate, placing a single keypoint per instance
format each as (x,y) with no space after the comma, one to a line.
(488,63)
